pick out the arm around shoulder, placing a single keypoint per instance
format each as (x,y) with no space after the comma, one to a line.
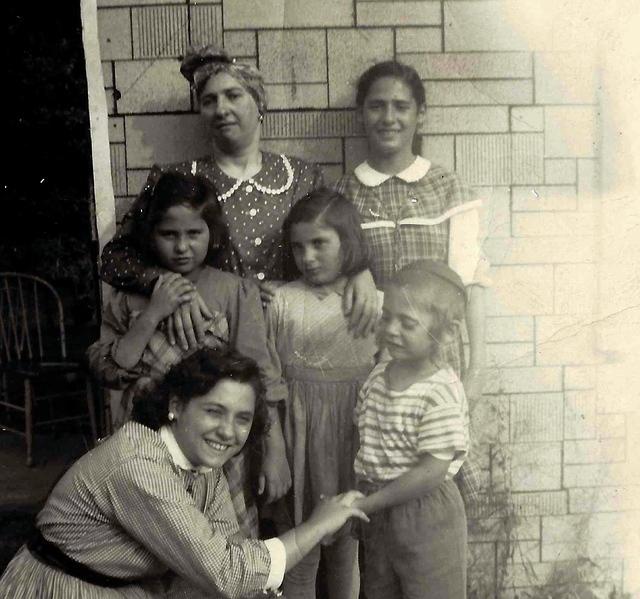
(122,262)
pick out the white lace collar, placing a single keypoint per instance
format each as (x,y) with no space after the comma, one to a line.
(178,457)
(370,177)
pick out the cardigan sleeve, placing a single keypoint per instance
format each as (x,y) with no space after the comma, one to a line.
(248,334)
(150,502)
(115,323)
(122,263)
(274,331)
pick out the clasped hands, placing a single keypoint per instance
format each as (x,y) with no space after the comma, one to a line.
(186,325)
(185,313)
(349,500)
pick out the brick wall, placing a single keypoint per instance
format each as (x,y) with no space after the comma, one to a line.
(512,108)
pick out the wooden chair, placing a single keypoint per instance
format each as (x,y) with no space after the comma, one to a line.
(39,385)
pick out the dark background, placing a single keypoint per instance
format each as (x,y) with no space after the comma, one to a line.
(46,222)
(47,208)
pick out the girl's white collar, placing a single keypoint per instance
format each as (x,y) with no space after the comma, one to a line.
(179,459)
(370,177)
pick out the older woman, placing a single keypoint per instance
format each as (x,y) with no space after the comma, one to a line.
(147,513)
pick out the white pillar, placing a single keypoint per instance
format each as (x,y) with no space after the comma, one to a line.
(98,117)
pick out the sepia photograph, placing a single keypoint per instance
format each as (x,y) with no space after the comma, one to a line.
(320,299)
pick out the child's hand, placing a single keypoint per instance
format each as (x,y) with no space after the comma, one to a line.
(351,499)
(268,290)
(275,476)
(169,293)
(332,512)
(187,324)
(360,303)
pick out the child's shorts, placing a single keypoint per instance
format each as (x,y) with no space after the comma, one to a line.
(417,550)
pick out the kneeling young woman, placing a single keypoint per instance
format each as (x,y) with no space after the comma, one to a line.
(148,511)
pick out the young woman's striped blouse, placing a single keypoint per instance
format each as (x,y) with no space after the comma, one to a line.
(126,509)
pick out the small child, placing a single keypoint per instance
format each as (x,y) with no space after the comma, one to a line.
(412,419)
(323,366)
(179,231)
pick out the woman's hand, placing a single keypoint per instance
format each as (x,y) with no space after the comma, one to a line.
(268,290)
(350,499)
(360,303)
(332,512)
(187,324)
(327,518)
(169,293)
(275,475)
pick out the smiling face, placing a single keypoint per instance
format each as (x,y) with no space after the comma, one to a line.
(214,427)
(230,112)
(390,116)
(181,240)
(405,328)
(317,252)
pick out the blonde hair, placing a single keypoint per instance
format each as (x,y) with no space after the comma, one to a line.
(437,290)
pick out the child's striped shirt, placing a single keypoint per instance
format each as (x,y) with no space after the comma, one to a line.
(398,427)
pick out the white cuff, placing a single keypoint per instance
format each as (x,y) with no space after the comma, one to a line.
(465,256)
(278,556)
(445,455)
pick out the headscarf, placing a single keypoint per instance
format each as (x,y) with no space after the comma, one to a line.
(199,64)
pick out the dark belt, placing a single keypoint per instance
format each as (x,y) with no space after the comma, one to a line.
(51,555)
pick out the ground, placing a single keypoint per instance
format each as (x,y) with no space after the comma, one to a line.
(25,489)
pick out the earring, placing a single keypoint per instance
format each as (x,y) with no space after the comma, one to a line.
(261,118)
(171,416)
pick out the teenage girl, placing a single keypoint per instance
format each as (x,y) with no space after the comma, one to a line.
(323,366)
(178,231)
(413,425)
(413,209)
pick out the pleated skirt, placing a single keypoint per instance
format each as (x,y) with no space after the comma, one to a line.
(320,434)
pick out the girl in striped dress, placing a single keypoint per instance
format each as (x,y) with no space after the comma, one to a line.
(323,365)
(413,425)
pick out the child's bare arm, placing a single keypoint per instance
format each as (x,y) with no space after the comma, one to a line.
(422,478)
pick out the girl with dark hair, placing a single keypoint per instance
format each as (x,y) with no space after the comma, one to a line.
(322,365)
(412,209)
(148,514)
(178,230)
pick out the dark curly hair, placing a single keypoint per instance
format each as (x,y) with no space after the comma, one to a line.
(331,209)
(170,189)
(195,376)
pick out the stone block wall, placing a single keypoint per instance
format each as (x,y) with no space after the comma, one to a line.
(512,108)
